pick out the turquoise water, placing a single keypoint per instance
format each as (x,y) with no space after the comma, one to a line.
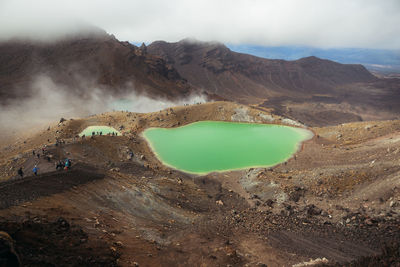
(138,104)
(208,146)
(122,104)
(97,129)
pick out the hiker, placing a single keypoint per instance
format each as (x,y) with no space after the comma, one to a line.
(67,164)
(35,170)
(60,165)
(38,155)
(33,152)
(20,172)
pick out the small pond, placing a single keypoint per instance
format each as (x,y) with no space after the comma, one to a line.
(208,146)
(97,130)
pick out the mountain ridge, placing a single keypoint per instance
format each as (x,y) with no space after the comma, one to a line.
(299,89)
(311,73)
(377,60)
(98,60)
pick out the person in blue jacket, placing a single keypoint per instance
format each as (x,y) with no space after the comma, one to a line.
(35,169)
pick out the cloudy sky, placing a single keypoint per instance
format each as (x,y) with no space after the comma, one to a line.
(318,23)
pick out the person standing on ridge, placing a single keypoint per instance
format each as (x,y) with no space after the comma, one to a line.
(59,165)
(35,170)
(20,172)
(67,164)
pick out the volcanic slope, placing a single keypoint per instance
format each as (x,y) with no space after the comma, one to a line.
(336,201)
(316,91)
(86,61)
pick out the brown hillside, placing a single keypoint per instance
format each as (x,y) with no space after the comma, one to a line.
(313,90)
(337,201)
(238,76)
(82,62)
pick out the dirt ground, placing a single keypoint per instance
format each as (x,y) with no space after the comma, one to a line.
(336,202)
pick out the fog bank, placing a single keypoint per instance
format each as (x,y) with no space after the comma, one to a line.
(51,101)
(316,23)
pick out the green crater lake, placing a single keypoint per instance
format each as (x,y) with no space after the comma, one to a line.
(104,130)
(209,146)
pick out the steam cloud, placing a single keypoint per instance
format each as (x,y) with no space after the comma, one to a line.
(51,101)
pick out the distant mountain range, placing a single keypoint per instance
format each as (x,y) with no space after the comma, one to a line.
(313,90)
(385,61)
(244,78)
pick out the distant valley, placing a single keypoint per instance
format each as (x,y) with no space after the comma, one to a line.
(386,62)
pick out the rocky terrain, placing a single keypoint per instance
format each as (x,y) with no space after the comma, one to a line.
(319,92)
(243,77)
(334,203)
(82,63)
(315,91)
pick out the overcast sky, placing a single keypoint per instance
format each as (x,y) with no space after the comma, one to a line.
(319,23)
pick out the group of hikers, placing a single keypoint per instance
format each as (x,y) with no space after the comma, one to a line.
(100,133)
(66,165)
(34,170)
(60,165)
(44,153)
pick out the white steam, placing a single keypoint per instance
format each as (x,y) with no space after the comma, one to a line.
(50,101)
(140,103)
